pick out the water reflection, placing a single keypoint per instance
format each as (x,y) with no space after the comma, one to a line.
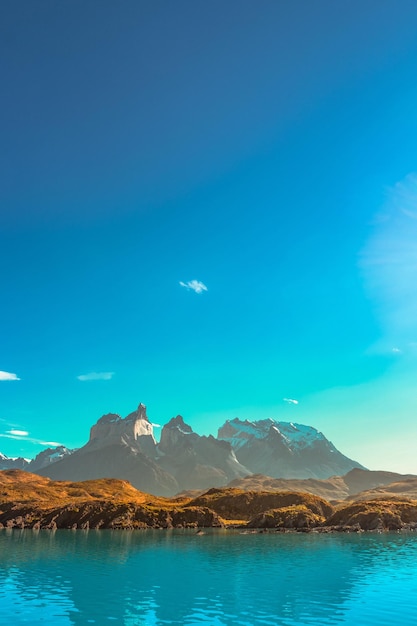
(171,577)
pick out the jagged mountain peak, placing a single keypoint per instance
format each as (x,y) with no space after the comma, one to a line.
(196,461)
(112,428)
(139,414)
(293,435)
(109,418)
(178,422)
(284,449)
(48,456)
(173,434)
(13,462)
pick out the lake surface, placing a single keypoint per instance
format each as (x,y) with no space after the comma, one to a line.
(221,578)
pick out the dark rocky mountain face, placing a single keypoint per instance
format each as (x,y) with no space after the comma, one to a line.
(197,462)
(15,463)
(284,449)
(48,456)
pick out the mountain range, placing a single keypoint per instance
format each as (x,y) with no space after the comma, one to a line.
(126,448)
(357,484)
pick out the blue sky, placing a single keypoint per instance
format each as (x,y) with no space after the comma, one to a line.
(266,150)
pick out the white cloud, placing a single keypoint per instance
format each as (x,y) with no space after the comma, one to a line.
(396,351)
(96,376)
(19,433)
(22,435)
(6,436)
(195,285)
(8,376)
(290,401)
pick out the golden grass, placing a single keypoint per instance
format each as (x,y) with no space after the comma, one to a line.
(17,486)
(244,505)
(105,497)
(372,514)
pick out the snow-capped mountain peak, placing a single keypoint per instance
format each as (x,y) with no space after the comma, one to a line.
(284,449)
(294,436)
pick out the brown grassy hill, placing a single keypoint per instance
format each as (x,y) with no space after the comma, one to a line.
(377,515)
(295,517)
(358,480)
(31,501)
(402,488)
(20,486)
(333,488)
(28,500)
(336,488)
(244,505)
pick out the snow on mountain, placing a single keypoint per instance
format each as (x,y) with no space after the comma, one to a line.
(295,436)
(284,449)
(13,462)
(48,456)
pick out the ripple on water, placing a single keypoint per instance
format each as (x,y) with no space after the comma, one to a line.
(221,578)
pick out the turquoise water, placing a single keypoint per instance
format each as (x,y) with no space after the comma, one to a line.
(221,578)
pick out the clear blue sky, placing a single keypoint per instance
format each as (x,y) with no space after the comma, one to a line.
(267,150)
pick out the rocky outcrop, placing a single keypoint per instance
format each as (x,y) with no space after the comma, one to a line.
(245,505)
(294,517)
(107,515)
(376,515)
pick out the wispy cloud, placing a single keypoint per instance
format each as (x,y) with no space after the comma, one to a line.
(23,435)
(96,376)
(290,400)
(389,265)
(6,436)
(195,285)
(19,433)
(8,376)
